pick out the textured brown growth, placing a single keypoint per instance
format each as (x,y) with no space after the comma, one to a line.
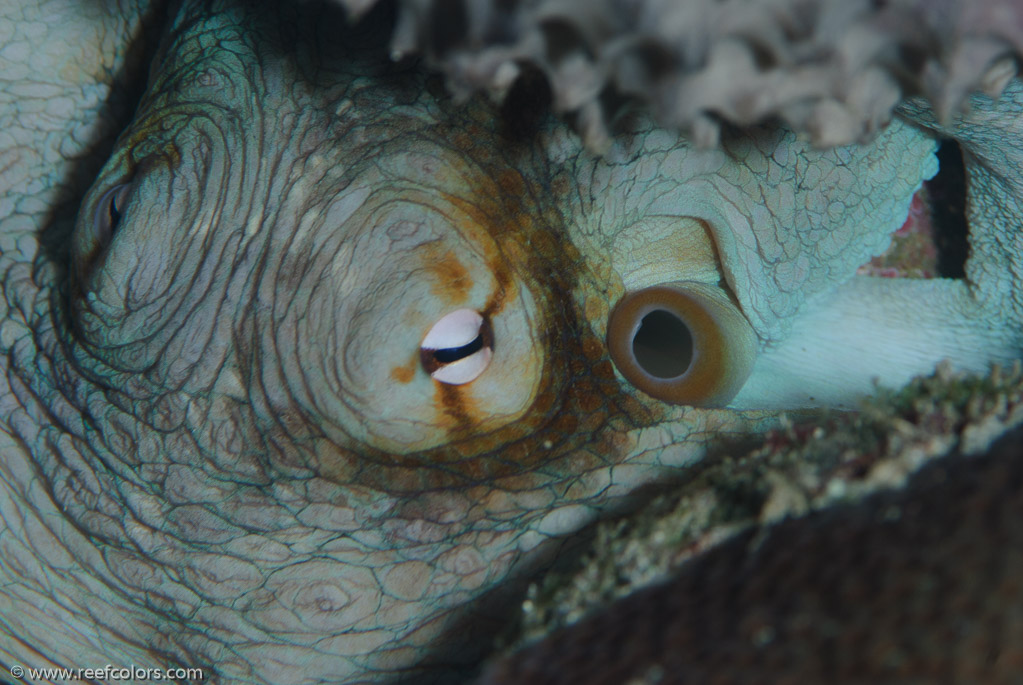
(916,586)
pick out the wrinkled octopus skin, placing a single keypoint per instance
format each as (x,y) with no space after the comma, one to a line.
(224,441)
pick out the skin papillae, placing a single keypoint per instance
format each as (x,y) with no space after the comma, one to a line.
(219,448)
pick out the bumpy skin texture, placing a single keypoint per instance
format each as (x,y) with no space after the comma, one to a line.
(221,450)
(65,69)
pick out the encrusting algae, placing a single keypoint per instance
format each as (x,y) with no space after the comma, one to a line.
(867,465)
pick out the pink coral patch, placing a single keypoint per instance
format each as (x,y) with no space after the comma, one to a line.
(912,253)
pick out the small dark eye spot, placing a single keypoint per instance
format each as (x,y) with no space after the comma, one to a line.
(110,211)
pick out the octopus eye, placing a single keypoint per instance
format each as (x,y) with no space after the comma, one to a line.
(683,343)
(109,211)
(458,348)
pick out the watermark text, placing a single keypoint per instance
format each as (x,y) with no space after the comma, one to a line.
(106,673)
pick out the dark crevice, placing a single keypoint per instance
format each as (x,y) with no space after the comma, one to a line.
(562,40)
(527,104)
(449,24)
(947,192)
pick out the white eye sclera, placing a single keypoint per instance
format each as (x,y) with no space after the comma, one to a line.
(458,348)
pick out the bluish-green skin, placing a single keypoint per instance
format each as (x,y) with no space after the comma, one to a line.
(221,450)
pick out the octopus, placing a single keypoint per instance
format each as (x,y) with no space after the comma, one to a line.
(326,325)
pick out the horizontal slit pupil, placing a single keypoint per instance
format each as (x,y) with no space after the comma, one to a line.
(453,354)
(113,211)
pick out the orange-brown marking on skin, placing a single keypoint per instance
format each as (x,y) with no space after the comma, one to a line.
(526,240)
(451,281)
(505,290)
(474,223)
(504,211)
(566,423)
(560,186)
(456,407)
(545,244)
(592,349)
(406,372)
(511,183)
(590,403)
(464,141)
(604,369)
(595,309)
(151,138)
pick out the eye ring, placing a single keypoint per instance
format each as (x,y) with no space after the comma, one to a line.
(682,343)
(458,348)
